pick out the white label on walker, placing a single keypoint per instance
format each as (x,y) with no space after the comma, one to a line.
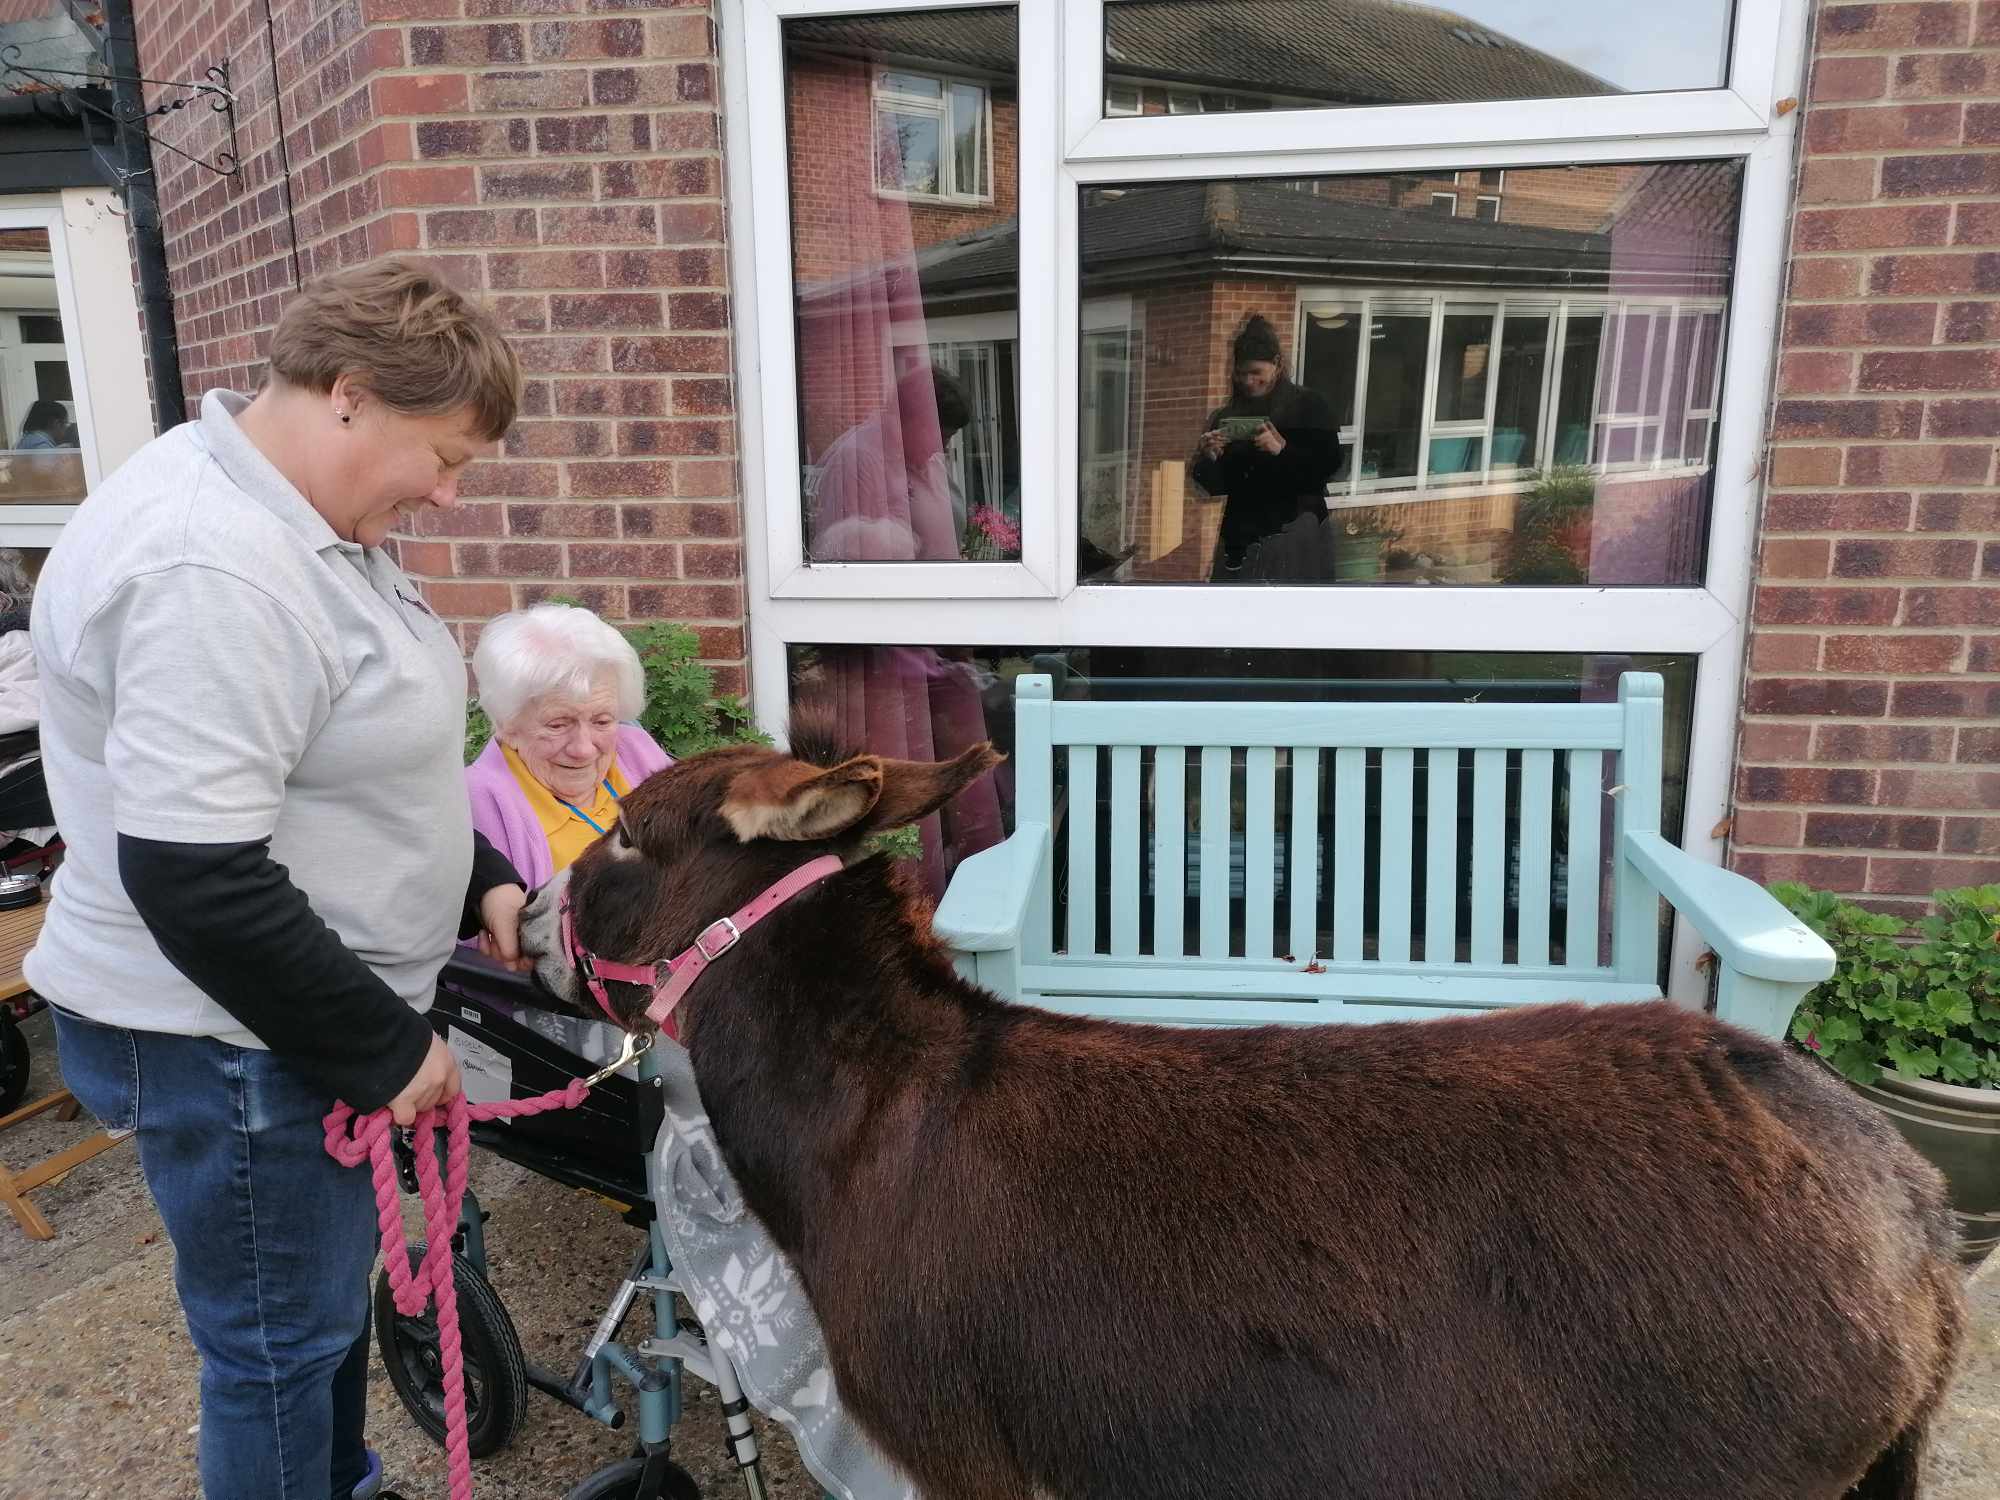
(488,1075)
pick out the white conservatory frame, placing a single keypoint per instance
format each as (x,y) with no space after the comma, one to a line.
(1067,142)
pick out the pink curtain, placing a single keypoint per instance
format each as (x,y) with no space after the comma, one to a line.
(916,703)
(883,493)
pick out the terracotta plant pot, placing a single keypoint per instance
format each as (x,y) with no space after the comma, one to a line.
(1958,1131)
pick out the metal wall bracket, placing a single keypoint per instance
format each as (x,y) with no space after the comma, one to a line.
(214,87)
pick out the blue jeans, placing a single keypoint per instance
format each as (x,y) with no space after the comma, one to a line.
(273,1241)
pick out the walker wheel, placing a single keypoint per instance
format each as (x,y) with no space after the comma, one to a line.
(620,1481)
(496,1375)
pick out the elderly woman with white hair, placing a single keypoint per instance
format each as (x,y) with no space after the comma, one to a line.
(561,688)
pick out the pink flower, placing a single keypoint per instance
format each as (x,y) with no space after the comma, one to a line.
(1812,1040)
(997,528)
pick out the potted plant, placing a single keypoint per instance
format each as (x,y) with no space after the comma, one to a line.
(1551,538)
(1912,1021)
(1360,536)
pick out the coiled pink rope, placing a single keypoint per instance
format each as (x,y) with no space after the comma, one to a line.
(350,1142)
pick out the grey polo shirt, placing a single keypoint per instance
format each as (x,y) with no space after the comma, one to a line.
(219,667)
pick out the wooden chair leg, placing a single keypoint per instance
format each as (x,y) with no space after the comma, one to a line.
(17,1183)
(25,1213)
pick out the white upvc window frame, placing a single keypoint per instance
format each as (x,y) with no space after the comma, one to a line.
(1746,103)
(942,109)
(761,239)
(107,369)
(1066,144)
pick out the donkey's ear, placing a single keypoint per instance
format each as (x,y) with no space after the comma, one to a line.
(913,789)
(794,801)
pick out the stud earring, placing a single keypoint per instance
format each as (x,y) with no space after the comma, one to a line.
(345,417)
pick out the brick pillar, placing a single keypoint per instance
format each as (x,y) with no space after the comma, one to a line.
(1869,760)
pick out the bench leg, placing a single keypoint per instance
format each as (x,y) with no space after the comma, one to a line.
(1764,1006)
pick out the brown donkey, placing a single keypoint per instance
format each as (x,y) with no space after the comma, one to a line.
(1610,1253)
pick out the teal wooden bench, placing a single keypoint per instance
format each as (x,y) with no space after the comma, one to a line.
(1218,863)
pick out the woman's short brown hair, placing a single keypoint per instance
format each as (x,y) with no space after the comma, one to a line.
(408,336)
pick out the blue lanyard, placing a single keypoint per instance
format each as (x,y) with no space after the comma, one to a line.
(586,816)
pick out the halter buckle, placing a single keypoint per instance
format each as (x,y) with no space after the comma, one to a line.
(730,936)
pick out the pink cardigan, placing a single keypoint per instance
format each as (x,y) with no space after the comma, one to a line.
(500,809)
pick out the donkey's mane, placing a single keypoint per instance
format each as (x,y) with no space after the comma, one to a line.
(816,738)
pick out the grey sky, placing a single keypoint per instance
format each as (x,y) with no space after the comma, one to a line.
(1636,44)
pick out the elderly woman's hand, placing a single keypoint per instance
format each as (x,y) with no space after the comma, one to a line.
(500,916)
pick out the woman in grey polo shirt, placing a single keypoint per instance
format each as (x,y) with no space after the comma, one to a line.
(253,731)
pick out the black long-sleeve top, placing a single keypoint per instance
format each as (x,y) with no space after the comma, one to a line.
(229,918)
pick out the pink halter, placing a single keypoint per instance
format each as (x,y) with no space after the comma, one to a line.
(670,981)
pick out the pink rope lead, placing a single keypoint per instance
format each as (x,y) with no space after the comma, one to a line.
(368,1140)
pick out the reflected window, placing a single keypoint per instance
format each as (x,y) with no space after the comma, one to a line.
(1449,397)
(41,458)
(1186,56)
(932,137)
(904,134)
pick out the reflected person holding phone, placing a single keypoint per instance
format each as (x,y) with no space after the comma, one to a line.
(1267,453)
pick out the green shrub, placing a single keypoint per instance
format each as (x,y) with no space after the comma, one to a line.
(1924,1003)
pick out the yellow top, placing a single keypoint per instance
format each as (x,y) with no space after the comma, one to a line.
(568,833)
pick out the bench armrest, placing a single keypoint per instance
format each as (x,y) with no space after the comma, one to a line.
(1749,929)
(985,909)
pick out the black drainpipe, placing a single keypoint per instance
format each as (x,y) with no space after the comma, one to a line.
(142,210)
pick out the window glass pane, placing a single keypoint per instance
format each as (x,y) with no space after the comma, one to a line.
(1333,343)
(1519,389)
(1406,445)
(1464,360)
(914,85)
(41,450)
(968,140)
(1317,54)
(1488,209)
(1398,355)
(1576,383)
(904,262)
(926,703)
(910,161)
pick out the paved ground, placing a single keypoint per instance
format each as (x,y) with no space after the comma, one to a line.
(97,1378)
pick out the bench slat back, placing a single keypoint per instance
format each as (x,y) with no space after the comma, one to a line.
(1323,838)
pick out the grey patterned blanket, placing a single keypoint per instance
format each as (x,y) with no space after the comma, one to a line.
(748,1297)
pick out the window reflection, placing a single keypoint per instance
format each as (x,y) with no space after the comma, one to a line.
(1210,56)
(904,133)
(41,462)
(1522,397)
(919,702)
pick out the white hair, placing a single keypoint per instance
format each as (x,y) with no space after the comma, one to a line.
(553,651)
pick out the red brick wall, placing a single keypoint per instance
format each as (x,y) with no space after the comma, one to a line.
(558,157)
(1870,761)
